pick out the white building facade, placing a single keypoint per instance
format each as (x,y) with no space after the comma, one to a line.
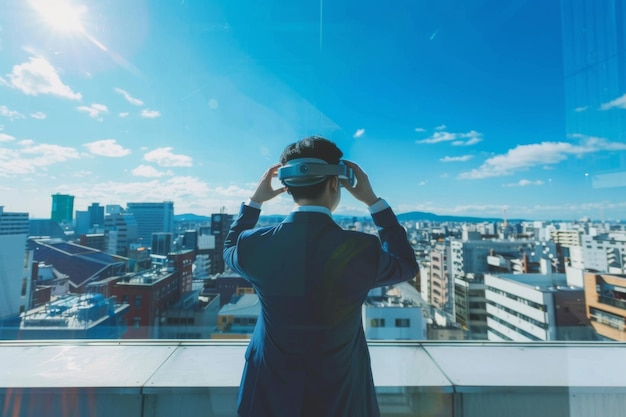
(15,264)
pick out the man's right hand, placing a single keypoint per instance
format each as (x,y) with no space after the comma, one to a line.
(264,190)
(362,191)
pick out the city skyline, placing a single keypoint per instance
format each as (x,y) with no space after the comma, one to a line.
(452,109)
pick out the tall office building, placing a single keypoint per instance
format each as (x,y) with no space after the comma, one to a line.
(470,305)
(120,230)
(220,224)
(152,218)
(14,264)
(96,215)
(62,208)
(161,243)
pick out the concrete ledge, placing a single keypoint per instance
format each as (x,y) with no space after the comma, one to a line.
(165,378)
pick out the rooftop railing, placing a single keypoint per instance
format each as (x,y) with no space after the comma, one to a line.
(167,378)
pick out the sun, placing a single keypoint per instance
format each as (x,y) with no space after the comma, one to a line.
(60,15)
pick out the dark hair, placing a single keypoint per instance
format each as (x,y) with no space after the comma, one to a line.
(311,147)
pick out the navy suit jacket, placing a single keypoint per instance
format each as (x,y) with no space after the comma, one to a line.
(308,355)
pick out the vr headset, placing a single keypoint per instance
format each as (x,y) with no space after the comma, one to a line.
(303,172)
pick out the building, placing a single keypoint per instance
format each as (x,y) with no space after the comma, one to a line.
(193,317)
(94,240)
(390,315)
(81,224)
(220,224)
(236,320)
(182,261)
(534,307)
(150,294)
(87,316)
(15,265)
(470,305)
(62,208)
(452,259)
(47,276)
(161,243)
(80,263)
(204,254)
(152,218)
(96,215)
(605,252)
(120,231)
(605,299)
(229,284)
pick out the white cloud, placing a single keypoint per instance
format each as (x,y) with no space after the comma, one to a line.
(581,109)
(6,138)
(95,110)
(619,102)
(470,138)
(38,115)
(420,129)
(132,100)
(441,127)
(456,158)
(473,140)
(523,183)
(123,114)
(164,157)
(358,133)
(149,172)
(150,114)
(11,114)
(177,189)
(38,76)
(524,157)
(107,147)
(31,157)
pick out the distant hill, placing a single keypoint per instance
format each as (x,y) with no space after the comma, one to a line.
(190,217)
(421,216)
(403,217)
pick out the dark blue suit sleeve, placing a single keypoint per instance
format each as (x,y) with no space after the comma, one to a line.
(396,260)
(247,219)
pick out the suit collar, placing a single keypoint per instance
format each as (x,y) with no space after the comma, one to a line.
(308,217)
(313,209)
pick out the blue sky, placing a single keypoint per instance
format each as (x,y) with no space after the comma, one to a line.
(451,107)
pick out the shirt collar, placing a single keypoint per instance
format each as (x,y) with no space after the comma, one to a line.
(312,209)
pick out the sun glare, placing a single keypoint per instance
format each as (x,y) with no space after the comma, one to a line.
(60,15)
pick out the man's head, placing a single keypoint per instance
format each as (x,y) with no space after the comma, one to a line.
(312,147)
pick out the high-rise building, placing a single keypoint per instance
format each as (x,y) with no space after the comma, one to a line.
(120,230)
(62,208)
(81,224)
(96,215)
(470,305)
(161,243)
(152,218)
(15,265)
(220,224)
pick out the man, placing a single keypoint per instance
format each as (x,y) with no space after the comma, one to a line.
(308,355)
